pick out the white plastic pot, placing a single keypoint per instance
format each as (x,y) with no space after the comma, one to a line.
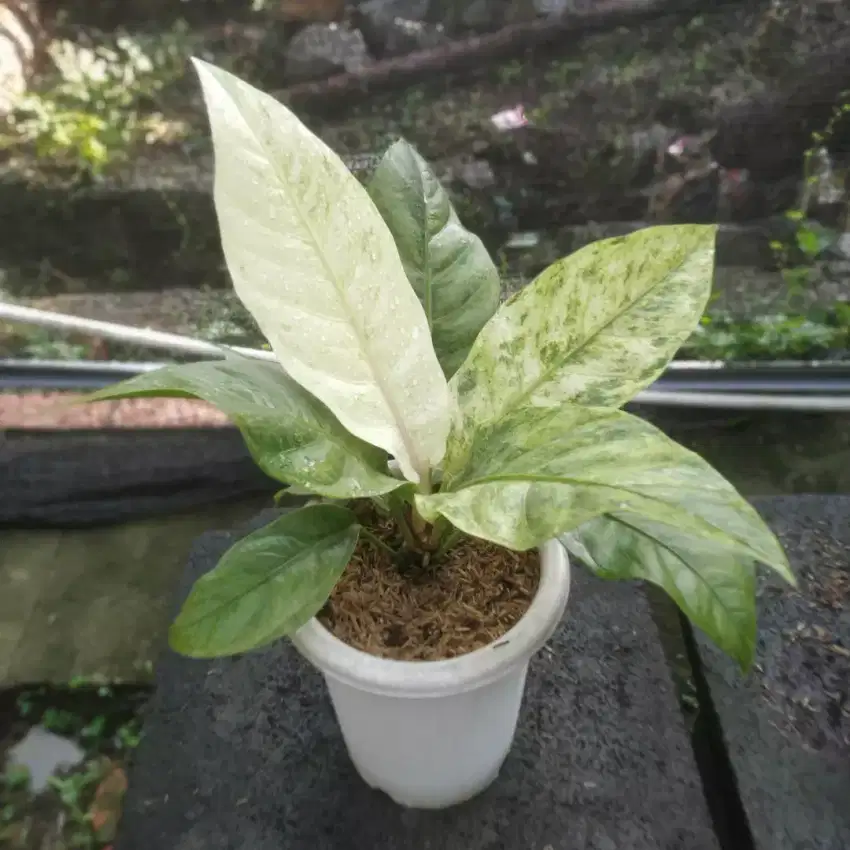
(435,733)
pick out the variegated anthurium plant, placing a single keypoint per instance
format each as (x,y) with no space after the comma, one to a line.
(399,379)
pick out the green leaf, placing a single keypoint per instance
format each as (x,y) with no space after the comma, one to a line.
(292,436)
(594,328)
(712,582)
(448,267)
(813,238)
(541,472)
(808,242)
(316,266)
(267,585)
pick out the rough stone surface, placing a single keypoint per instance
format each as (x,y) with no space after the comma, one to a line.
(397,27)
(787,726)
(323,49)
(484,15)
(553,7)
(737,245)
(245,753)
(476,173)
(410,10)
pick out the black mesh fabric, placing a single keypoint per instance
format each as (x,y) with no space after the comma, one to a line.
(83,478)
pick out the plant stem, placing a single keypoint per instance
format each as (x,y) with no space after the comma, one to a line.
(438,531)
(425,482)
(381,505)
(374,539)
(397,511)
(419,525)
(448,541)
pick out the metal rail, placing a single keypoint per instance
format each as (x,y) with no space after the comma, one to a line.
(803,379)
(745,401)
(50,375)
(815,387)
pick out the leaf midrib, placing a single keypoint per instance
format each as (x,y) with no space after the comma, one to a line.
(428,277)
(546,374)
(524,478)
(416,462)
(268,577)
(673,552)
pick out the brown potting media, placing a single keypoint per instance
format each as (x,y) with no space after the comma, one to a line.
(471,598)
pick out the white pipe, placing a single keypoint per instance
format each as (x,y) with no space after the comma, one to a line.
(124,333)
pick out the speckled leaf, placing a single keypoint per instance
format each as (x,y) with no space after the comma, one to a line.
(594,328)
(541,472)
(315,264)
(291,435)
(448,267)
(267,585)
(713,583)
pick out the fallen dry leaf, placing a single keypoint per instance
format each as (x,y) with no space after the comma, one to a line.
(105,810)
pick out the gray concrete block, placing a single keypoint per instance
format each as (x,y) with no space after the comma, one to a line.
(245,753)
(787,725)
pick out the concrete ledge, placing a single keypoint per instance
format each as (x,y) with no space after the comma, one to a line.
(155,227)
(787,725)
(163,233)
(89,478)
(95,601)
(245,753)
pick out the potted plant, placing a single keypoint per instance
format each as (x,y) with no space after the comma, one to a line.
(451,450)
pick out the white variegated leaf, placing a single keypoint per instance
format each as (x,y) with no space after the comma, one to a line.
(315,264)
(594,328)
(712,582)
(541,472)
